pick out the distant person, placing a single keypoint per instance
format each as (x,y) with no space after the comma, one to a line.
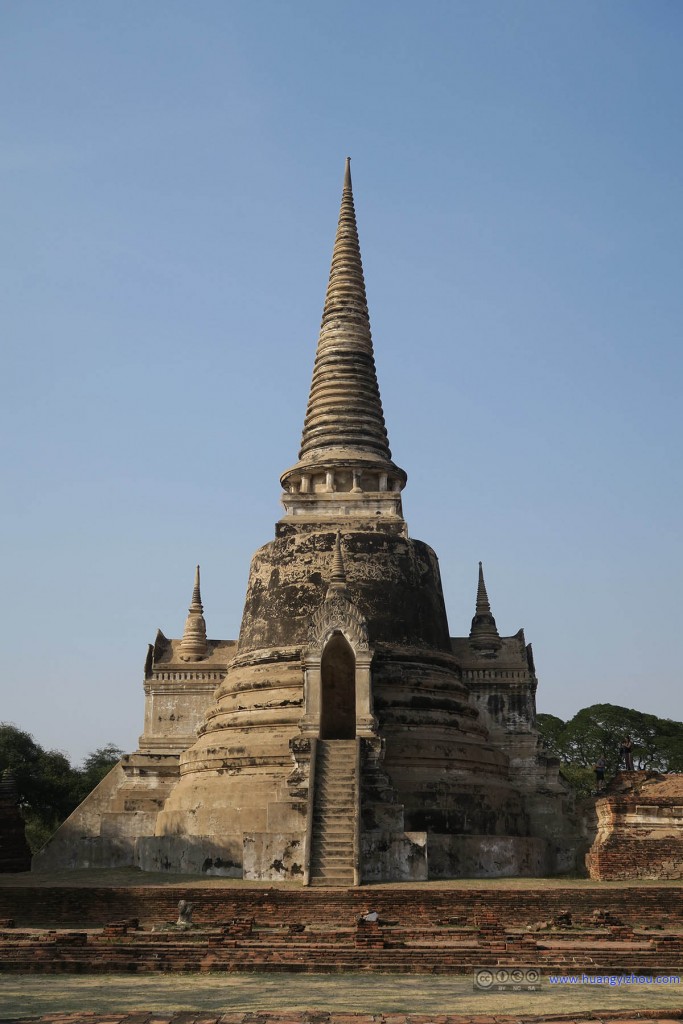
(627,753)
(600,775)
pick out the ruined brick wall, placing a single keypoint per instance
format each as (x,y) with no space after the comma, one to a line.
(640,828)
(79,907)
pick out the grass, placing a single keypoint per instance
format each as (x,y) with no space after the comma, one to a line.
(119,877)
(32,995)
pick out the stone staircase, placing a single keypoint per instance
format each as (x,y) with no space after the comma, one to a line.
(335,798)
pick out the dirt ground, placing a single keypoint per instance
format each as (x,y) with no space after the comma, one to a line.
(135,877)
(30,996)
(35,995)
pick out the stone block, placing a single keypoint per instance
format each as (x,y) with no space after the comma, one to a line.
(394,856)
(287,817)
(191,854)
(273,856)
(120,824)
(383,817)
(74,851)
(487,856)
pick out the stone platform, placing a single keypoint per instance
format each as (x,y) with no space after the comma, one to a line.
(64,929)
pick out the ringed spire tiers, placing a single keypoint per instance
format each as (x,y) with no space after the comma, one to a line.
(344,445)
(483,624)
(193,644)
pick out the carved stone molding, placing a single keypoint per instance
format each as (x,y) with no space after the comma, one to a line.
(337,613)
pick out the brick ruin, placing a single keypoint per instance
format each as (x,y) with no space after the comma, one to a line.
(622,930)
(639,828)
(345,736)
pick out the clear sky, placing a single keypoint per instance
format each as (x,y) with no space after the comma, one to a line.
(171,176)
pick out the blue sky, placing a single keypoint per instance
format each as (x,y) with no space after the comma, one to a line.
(171,175)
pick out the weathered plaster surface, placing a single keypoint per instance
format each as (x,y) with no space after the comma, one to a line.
(275,856)
(394,856)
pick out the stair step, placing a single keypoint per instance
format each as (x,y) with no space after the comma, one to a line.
(343,838)
(334,808)
(338,833)
(335,851)
(332,817)
(345,878)
(340,879)
(338,839)
(340,862)
(334,871)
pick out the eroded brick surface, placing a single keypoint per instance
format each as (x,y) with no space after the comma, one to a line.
(640,828)
(616,930)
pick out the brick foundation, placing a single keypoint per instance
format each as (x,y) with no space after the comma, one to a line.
(110,930)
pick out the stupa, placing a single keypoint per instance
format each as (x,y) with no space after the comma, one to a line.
(345,736)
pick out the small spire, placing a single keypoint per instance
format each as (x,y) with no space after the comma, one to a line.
(193,645)
(347,173)
(483,623)
(338,577)
(483,606)
(196,595)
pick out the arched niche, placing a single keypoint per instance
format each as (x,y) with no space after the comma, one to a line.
(337,681)
(338,690)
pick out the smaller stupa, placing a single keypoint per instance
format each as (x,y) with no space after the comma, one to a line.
(15,854)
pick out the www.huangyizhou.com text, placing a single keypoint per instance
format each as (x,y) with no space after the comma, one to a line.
(614,980)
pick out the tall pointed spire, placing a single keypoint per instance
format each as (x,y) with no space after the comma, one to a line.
(344,406)
(193,646)
(483,624)
(344,438)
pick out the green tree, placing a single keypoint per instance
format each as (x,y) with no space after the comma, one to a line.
(45,780)
(49,787)
(95,767)
(597,731)
(551,729)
